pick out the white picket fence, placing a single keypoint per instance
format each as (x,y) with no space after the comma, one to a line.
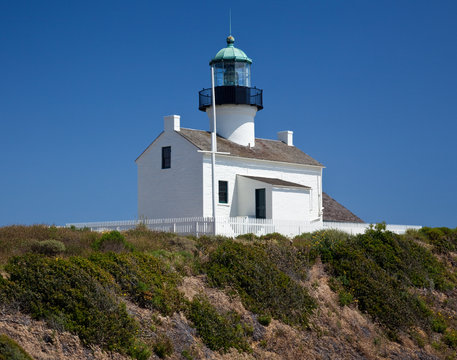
(233,226)
(359,228)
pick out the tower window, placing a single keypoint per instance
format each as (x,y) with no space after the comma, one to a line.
(166,157)
(223,193)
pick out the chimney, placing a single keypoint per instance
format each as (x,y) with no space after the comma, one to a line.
(172,123)
(286,137)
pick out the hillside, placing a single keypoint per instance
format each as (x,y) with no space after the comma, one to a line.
(76,294)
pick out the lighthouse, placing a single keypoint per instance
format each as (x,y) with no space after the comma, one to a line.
(236,101)
(183,175)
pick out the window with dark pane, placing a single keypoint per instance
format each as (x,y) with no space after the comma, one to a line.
(223,195)
(166,157)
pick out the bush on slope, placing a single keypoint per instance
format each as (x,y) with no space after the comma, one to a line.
(262,286)
(70,298)
(378,269)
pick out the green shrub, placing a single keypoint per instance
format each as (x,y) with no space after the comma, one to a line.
(139,351)
(9,293)
(306,247)
(11,350)
(262,286)
(345,298)
(377,268)
(404,259)
(207,244)
(292,260)
(187,355)
(443,239)
(341,286)
(146,279)
(113,241)
(323,242)
(68,297)
(420,341)
(438,323)
(49,247)
(219,332)
(162,346)
(450,338)
(275,236)
(264,320)
(180,261)
(97,273)
(248,236)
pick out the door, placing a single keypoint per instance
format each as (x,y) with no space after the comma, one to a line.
(260,206)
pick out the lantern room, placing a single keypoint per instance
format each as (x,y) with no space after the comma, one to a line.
(231,66)
(232,79)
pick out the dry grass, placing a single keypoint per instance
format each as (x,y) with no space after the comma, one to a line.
(18,239)
(143,239)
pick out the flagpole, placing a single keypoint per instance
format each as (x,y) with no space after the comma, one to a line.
(213,148)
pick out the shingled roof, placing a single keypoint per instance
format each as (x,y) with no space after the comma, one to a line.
(273,150)
(334,211)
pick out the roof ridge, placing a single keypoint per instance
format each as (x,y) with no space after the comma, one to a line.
(268,149)
(183,128)
(268,139)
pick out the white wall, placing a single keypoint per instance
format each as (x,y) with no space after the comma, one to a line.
(173,192)
(290,204)
(228,167)
(234,122)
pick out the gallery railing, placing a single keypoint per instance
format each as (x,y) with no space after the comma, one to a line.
(237,95)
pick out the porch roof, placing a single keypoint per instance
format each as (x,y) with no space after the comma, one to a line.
(277,182)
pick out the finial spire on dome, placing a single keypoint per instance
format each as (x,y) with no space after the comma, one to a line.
(230,22)
(230,53)
(230,40)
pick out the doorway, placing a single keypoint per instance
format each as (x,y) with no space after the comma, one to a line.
(260,205)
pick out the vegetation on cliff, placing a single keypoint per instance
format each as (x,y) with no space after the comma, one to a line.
(83,282)
(10,350)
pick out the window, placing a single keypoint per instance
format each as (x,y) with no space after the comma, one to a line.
(223,196)
(166,157)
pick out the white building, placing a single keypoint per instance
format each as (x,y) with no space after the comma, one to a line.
(261,186)
(254,178)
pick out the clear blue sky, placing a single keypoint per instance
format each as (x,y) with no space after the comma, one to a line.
(368,87)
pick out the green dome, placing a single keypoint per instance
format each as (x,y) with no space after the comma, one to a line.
(231,53)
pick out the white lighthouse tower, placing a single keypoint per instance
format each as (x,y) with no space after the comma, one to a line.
(236,101)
